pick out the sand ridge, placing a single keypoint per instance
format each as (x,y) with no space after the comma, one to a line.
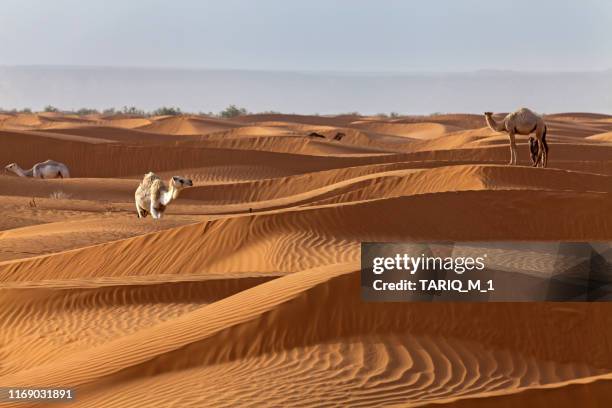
(247,292)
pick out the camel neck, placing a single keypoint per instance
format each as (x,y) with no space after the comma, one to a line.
(169,195)
(23,173)
(498,127)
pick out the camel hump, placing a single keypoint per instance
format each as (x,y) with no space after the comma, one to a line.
(50,162)
(150,176)
(526,111)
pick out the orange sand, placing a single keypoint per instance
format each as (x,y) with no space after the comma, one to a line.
(247,292)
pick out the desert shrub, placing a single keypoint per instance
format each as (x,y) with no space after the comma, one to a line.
(59,195)
(51,108)
(166,110)
(132,110)
(109,111)
(26,110)
(394,115)
(87,111)
(232,111)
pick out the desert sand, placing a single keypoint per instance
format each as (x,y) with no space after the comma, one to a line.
(247,292)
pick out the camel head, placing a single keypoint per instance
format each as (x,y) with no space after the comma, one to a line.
(180,183)
(488,113)
(10,167)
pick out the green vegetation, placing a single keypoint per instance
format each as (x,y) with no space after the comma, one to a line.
(166,110)
(24,110)
(232,111)
(132,110)
(87,111)
(390,115)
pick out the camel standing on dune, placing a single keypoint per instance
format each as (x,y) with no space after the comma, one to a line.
(153,195)
(522,122)
(45,170)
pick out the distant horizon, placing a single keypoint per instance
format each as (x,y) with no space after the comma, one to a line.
(118,110)
(316,92)
(297,71)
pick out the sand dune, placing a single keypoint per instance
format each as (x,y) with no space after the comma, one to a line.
(115,134)
(604,137)
(422,130)
(44,121)
(127,122)
(336,121)
(247,292)
(187,125)
(378,355)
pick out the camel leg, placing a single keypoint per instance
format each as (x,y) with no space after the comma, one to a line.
(154,213)
(541,158)
(533,151)
(512,148)
(537,154)
(544,154)
(540,150)
(542,146)
(140,215)
(538,159)
(544,149)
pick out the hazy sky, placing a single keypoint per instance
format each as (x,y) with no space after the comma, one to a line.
(343,35)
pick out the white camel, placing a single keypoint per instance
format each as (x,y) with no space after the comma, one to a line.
(153,195)
(523,122)
(45,170)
